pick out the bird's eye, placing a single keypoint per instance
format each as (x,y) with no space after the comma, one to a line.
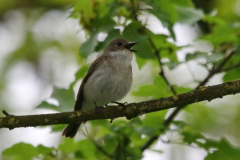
(119,43)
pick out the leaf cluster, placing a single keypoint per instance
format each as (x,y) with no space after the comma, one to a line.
(123,139)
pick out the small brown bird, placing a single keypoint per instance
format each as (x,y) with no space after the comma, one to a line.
(108,79)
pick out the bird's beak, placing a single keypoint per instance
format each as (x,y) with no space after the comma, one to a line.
(129,45)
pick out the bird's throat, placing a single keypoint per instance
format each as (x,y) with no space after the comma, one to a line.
(124,57)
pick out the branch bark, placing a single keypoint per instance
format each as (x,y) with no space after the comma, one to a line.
(169,119)
(129,111)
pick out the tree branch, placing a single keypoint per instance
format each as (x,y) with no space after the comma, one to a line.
(217,69)
(129,111)
(213,71)
(162,73)
(101,149)
(230,67)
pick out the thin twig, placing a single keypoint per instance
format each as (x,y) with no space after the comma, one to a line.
(214,70)
(120,147)
(161,73)
(101,149)
(134,10)
(149,142)
(210,75)
(230,67)
(179,143)
(95,144)
(5,113)
(217,69)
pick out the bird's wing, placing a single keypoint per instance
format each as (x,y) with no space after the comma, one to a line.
(80,96)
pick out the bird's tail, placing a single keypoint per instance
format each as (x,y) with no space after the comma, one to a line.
(71,130)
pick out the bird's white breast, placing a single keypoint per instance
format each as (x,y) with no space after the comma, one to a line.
(111,81)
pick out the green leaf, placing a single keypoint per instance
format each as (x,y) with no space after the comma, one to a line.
(148,131)
(224,151)
(190,138)
(180,90)
(235,57)
(224,34)
(141,62)
(67,146)
(120,8)
(65,98)
(215,57)
(171,65)
(121,127)
(84,147)
(79,74)
(88,46)
(85,7)
(157,90)
(136,121)
(44,150)
(21,151)
(195,56)
(46,105)
(137,139)
(165,48)
(156,150)
(155,120)
(232,74)
(166,11)
(80,149)
(26,151)
(187,15)
(214,20)
(110,143)
(102,123)
(101,127)
(179,124)
(104,24)
(111,35)
(132,32)
(57,128)
(138,131)
(131,152)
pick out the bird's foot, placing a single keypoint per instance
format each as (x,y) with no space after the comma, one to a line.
(122,104)
(97,108)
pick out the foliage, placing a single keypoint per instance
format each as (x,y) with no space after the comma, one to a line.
(123,139)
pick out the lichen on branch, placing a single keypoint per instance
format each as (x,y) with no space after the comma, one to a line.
(129,111)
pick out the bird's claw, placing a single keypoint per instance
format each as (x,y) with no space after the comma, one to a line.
(122,104)
(97,108)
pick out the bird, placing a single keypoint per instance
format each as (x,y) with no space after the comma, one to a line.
(108,80)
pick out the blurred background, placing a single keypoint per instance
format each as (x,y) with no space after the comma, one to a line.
(39,52)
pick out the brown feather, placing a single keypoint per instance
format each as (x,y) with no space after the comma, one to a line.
(71,129)
(80,96)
